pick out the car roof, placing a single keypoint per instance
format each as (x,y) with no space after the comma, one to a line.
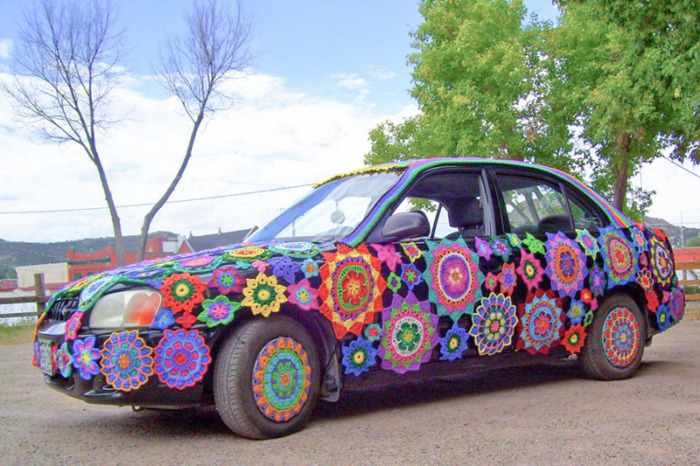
(412,168)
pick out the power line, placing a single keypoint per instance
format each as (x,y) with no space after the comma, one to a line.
(681,166)
(85,209)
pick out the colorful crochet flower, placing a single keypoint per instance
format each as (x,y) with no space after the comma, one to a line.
(454,343)
(393,282)
(182,292)
(73,325)
(227,280)
(410,275)
(199,264)
(574,338)
(247,253)
(596,280)
(281,379)
(576,312)
(410,334)
(127,361)
(541,322)
(645,280)
(638,240)
(530,270)
(533,244)
(619,257)
(303,295)
(493,324)
(284,267)
(412,251)
(482,247)
(296,249)
(663,317)
(351,289)
(566,265)
(65,360)
(662,264)
(373,332)
(388,255)
(181,358)
(358,356)
(263,295)
(491,281)
(145,274)
(621,337)
(507,279)
(514,240)
(588,319)
(588,243)
(218,311)
(164,319)
(676,304)
(310,268)
(85,357)
(588,298)
(453,277)
(499,248)
(260,266)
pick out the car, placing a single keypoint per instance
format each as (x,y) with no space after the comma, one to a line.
(406,270)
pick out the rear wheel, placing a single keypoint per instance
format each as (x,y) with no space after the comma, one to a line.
(615,344)
(266,378)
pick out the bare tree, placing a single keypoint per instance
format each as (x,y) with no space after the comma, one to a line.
(194,67)
(64,70)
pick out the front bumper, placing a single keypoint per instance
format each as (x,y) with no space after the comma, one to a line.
(96,390)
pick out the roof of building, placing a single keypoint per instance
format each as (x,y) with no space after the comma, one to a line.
(200,243)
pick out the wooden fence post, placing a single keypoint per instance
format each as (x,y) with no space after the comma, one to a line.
(40,292)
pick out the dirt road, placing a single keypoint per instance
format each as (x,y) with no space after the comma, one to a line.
(536,415)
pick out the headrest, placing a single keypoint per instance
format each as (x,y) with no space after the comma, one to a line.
(465,212)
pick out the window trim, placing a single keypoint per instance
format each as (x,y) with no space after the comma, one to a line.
(567,191)
(375,235)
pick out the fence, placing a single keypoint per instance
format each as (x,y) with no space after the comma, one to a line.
(40,298)
(685,281)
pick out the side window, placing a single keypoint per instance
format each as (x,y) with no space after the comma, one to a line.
(453,203)
(584,216)
(533,205)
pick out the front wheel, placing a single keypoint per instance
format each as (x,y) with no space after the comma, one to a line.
(266,378)
(615,344)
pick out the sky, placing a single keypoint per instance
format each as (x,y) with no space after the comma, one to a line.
(324,74)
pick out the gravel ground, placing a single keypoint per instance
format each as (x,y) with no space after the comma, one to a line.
(544,414)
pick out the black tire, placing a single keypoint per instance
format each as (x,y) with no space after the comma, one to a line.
(600,356)
(234,378)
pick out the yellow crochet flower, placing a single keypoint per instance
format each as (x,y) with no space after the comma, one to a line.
(263,295)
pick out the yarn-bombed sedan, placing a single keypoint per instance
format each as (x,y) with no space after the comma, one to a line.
(411,269)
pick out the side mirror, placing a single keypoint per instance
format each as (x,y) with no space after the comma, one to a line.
(406,225)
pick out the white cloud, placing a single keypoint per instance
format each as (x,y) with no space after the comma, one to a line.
(5,48)
(270,137)
(351,81)
(381,73)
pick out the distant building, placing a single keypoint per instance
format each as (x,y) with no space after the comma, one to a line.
(84,263)
(200,243)
(55,275)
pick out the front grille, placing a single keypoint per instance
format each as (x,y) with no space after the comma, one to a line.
(62,309)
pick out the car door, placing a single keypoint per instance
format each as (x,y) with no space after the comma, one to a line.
(547,223)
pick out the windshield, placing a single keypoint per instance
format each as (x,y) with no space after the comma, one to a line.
(330,212)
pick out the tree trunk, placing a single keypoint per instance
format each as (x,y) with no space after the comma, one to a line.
(622,170)
(116,222)
(148,218)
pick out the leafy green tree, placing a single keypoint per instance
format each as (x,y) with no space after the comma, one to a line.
(623,70)
(480,80)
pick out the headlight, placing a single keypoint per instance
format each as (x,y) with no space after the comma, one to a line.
(131,308)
